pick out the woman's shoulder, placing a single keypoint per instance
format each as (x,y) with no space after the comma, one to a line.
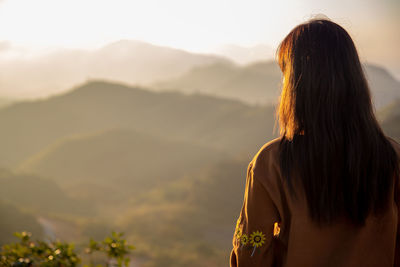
(265,163)
(268,150)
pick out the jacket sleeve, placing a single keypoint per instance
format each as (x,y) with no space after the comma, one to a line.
(253,239)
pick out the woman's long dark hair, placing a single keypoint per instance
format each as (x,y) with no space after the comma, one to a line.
(331,140)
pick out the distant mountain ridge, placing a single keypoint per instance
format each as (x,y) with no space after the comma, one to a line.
(390,119)
(129,61)
(259,82)
(384,87)
(245,55)
(256,83)
(144,64)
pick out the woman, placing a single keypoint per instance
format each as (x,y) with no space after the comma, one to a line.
(325,192)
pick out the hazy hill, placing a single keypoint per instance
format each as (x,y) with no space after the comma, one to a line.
(253,83)
(4,102)
(129,61)
(13,220)
(188,219)
(390,119)
(28,127)
(245,55)
(39,195)
(97,141)
(209,194)
(118,160)
(385,88)
(137,62)
(259,82)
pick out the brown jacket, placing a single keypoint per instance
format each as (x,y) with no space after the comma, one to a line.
(296,241)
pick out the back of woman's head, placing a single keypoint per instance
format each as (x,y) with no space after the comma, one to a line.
(331,140)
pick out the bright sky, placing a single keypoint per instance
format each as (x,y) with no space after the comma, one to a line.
(196,25)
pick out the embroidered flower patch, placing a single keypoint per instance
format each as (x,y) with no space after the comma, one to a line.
(257,238)
(254,240)
(244,239)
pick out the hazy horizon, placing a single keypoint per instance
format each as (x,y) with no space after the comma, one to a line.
(243,31)
(35,65)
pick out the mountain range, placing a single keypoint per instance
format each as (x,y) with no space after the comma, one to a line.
(128,61)
(157,67)
(259,82)
(223,124)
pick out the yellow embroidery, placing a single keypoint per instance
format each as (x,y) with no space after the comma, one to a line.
(238,233)
(277,229)
(244,239)
(237,223)
(257,239)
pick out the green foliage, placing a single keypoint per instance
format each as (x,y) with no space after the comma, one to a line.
(39,253)
(27,253)
(114,247)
